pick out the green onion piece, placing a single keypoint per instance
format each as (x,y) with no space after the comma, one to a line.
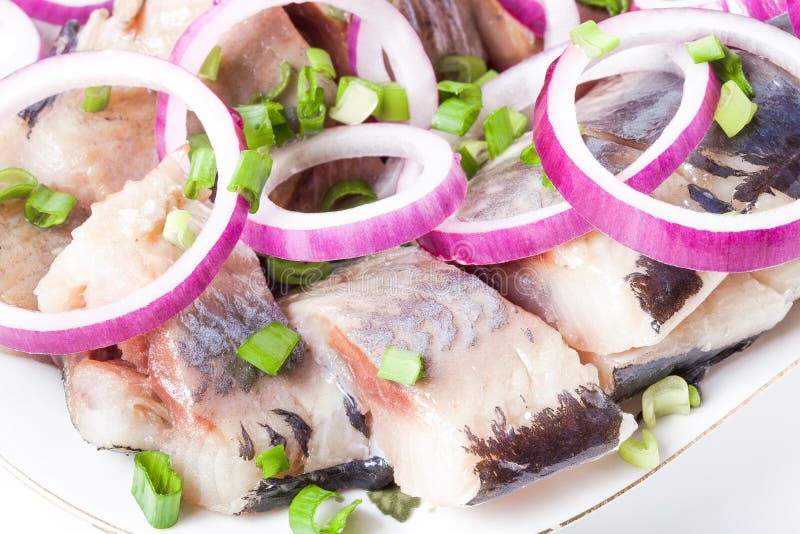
(296,273)
(473,155)
(273,461)
(394,503)
(730,68)
(546,183)
(489,76)
(706,49)
(734,110)
(304,507)
(667,396)
(311,108)
(198,141)
(465,69)
(177,231)
(592,40)
(642,454)
(250,176)
(210,67)
(95,99)
(358,192)
(257,125)
(45,207)
(614,7)
(356,100)
(402,366)
(202,173)
(321,62)
(694,397)
(501,128)
(269,348)
(259,97)
(16,183)
(530,156)
(455,116)
(157,488)
(468,92)
(394,105)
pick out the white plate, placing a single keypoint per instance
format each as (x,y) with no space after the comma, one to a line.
(42,446)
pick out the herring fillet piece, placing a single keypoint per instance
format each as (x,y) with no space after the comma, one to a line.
(181,388)
(503,402)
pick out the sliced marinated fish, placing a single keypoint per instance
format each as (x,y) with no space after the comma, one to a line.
(503,401)
(506,41)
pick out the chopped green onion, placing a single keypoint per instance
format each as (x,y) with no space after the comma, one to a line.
(473,155)
(321,62)
(273,461)
(257,124)
(734,110)
(455,116)
(358,191)
(402,366)
(304,507)
(730,68)
(16,183)
(642,454)
(259,97)
(465,69)
(706,49)
(157,488)
(202,172)
(530,156)
(667,396)
(198,141)
(177,231)
(95,99)
(45,207)
(614,7)
(311,108)
(269,348)
(250,176)
(394,503)
(210,67)
(546,183)
(592,40)
(501,128)
(488,77)
(694,396)
(468,92)
(296,273)
(394,105)
(356,100)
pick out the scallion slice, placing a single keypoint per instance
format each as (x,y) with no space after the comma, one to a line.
(614,7)
(260,97)
(642,454)
(157,488)
(468,92)
(487,77)
(210,67)
(734,110)
(273,461)
(455,116)
(474,154)
(694,397)
(730,68)
(501,128)
(667,396)
(269,348)
(198,141)
(706,49)
(304,507)
(177,231)
(16,183)
(45,207)
(546,183)
(95,99)
(461,68)
(296,273)
(402,366)
(321,62)
(356,100)
(250,176)
(202,172)
(592,40)
(311,108)
(530,156)
(356,192)
(257,124)
(394,105)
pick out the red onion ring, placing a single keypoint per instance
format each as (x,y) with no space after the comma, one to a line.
(20,43)
(757,9)
(419,205)
(529,13)
(793,6)
(667,233)
(148,307)
(406,55)
(364,52)
(528,234)
(59,12)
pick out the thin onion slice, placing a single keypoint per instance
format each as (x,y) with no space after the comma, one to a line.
(793,6)
(406,55)
(757,9)
(561,17)
(419,205)
(20,44)
(150,306)
(529,13)
(670,234)
(527,234)
(59,13)
(365,52)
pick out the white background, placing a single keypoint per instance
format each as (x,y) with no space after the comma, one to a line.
(743,477)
